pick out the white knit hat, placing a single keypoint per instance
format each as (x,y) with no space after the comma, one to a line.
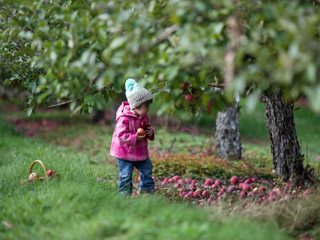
(136,95)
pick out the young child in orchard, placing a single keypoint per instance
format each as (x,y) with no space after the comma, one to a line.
(130,148)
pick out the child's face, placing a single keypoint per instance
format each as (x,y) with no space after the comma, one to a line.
(143,110)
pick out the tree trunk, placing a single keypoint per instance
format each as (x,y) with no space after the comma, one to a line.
(285,148)
(227,135)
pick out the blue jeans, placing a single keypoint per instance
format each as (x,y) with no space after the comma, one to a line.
(125,175)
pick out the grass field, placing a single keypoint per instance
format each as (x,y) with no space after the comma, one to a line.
(77,206)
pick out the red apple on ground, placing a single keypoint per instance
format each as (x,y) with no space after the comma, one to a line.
(248,181)
(262,189)
(223,190)
(171,180)
(176,178)
(141,132)
(254,192)
(196,194)
(189,194)
(232,189)
(209,182)
(214,186)
(280,193)
(188,180)
(254,180)
(181,193)
(220,194)
(50,173)
(205,194)
(180,181)
(246,187)
(33,175)
(272,193)
(194,182)
(218,182)
(234,180)
(242,195)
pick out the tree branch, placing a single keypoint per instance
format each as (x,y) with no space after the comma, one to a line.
(63,103)
(167,32)
(9,64)
(72,100)
(223,85)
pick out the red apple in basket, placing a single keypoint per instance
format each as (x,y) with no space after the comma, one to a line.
(50,173)
(33,175)
(141,132)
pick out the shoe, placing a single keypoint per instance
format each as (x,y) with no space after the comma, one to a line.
(150,191)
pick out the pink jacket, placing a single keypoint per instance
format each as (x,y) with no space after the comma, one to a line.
(124,144)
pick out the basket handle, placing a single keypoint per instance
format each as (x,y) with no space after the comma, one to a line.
(44,168)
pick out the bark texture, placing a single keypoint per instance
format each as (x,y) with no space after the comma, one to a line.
(285,148)
(227,135)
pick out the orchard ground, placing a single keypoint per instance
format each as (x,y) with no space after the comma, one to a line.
(187,172)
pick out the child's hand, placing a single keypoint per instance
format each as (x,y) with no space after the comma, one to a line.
(149,132)
(140,137)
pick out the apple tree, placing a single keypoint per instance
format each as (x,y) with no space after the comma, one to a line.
(81,52)
(278,59)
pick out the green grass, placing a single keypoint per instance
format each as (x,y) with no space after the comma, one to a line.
(79,207)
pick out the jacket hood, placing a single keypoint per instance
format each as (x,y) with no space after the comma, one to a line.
(124,111)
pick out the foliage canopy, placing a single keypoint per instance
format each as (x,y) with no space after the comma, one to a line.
(84,50)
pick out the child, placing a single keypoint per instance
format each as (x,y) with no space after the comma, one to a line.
(131,149)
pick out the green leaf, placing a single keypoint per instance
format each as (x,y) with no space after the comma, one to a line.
(171,72)
(29,111)
(26,34)
(117,42)
(90,109)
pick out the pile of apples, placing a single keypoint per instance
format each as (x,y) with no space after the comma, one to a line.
(35,175)
(236,189)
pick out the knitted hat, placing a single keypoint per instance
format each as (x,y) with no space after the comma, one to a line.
(136,95)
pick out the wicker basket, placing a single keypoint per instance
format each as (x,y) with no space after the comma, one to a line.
(41,179)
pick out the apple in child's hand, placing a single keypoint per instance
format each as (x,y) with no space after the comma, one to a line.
(141,132)
(50,173)
(144,124)
(33,175)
